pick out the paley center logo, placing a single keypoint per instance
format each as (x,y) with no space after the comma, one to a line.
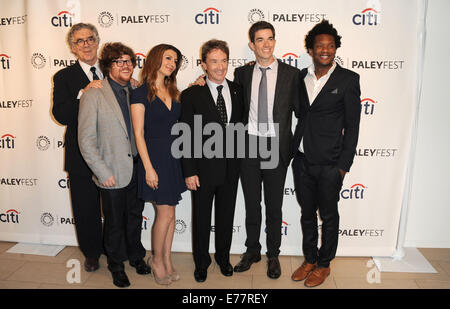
(7,141)
(43,143)
(4,61)
(208,16)
(10,216)
(63,19)
(354,192)
(39,61)
(367,17)
(256,15)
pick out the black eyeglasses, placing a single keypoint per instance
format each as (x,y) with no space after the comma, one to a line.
(120,62)
(80,42)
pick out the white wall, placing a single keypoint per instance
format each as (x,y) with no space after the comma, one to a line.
(429,208)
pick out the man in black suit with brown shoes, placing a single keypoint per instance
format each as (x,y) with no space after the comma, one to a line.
(215,175)
(325,141)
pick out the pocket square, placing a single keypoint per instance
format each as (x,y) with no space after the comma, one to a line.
(334,91)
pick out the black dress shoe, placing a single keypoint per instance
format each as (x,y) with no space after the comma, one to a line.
(120,279)
(141,267)
(226,269)
(91,264)
(200,275)
(247,260)
(273,268)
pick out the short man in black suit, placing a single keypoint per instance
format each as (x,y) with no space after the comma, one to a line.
(325,142)
(218,103)
(68,86)
(270,91)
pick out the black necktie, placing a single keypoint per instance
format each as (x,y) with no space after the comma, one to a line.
(94,75)
(221,105)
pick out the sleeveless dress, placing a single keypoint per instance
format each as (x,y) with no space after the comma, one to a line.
(158,122)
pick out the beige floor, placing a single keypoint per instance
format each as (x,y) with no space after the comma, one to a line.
(21,271)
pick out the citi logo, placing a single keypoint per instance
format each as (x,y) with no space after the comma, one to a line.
(7,141)
(10,216)
(290,59)
(140,60)
(64,183)
(208,16)
(355,192)
(284,228)
(63,19)
(4,60)
(367,17)
(367,106)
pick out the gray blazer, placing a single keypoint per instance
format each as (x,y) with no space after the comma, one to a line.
(103,137)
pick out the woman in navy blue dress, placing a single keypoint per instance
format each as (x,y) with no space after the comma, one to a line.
(155,109)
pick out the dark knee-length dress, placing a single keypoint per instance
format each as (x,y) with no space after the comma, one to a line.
(158,122)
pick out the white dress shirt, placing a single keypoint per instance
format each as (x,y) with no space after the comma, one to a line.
(314,86)
(225,93)
(87,70)
(271,76)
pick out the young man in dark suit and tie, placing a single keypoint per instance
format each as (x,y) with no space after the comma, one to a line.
(325,141)
(212,177)
(270,90)
(68,86)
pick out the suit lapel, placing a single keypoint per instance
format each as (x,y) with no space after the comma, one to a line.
(210,103)
(234,101)
(79,75)
(281,80)
(330,84)
(111,100)
(248,76)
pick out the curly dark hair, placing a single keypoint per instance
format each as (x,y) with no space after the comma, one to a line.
(324,27)
(113,51)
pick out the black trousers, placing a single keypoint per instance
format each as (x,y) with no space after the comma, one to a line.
(87,214)
(317,187)
(224,197)
(254,180)
(123,224)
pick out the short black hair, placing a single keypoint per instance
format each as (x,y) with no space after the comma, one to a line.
(260,25)
(324,27)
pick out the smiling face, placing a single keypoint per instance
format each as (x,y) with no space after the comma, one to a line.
(85,52)
(323,52)
(263,46)
(122,74)
(216,65)
(168,63)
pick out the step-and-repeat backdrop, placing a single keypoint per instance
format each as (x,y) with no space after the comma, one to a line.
(380,41)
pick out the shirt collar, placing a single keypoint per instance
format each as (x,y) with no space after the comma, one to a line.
(311,70)
(272,66)
(116,86)
(213,84)
(86,67)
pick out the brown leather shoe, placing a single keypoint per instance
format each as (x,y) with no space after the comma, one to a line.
(317,277)
(303,271)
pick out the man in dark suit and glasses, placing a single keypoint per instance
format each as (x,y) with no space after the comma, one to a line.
(325,141)
(212,177)
(270,90)
(68,86)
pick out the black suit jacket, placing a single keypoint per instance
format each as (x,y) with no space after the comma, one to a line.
(197,100)
(286,100)
(330,125)
(66,85)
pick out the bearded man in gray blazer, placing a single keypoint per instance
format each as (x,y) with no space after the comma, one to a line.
(106,140)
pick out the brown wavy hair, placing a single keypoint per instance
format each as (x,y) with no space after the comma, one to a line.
(153,63)
(113,51)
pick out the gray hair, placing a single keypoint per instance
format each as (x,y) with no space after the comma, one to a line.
(78,27)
